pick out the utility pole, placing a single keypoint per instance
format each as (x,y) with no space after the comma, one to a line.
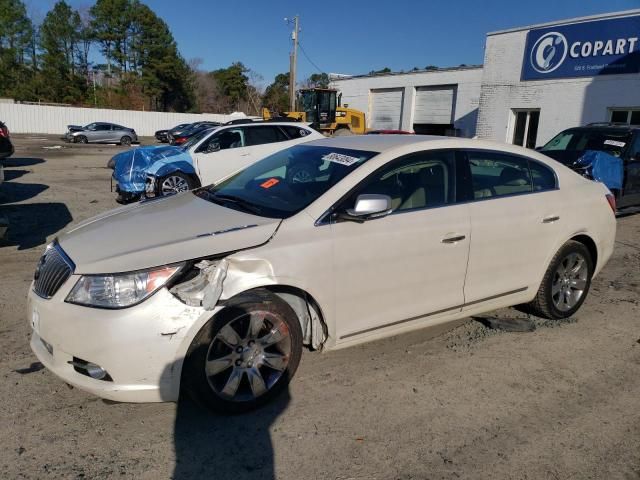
(293,60)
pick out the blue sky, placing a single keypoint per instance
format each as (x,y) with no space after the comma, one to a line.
(351,36)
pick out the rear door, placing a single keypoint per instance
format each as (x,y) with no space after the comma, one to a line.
(516,217)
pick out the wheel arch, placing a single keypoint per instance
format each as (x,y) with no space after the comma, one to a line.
(591,245)
(305,306)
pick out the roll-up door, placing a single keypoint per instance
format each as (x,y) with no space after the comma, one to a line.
(434,105)
(386,108)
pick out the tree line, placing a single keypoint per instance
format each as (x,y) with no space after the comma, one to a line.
(142,67)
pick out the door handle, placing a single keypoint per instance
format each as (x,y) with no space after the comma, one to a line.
(245,154)
(454,239)
(551,219)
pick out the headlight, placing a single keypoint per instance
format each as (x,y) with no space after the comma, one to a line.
(150,186)
(120,290)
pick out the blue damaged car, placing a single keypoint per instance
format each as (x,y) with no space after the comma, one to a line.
(605,152)
(205,158)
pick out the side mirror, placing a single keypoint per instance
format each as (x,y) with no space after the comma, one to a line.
(368,206)
(213,147)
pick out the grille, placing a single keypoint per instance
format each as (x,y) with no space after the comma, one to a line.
(52,271)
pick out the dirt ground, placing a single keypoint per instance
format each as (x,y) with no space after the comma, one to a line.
(559,402)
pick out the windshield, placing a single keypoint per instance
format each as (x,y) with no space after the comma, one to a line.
(286,182)
(195,139)
(612,142)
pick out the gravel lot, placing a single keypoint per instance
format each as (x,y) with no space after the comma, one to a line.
(559,402)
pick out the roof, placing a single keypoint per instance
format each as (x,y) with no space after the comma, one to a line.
(601,16)
(412,72)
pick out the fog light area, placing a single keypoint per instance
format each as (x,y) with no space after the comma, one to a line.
(90,369)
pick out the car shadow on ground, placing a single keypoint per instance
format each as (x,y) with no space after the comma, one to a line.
(31,224)
(19,192)
(14,174)
(21,162)
(209,445)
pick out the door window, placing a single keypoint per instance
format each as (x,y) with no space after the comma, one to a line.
(421,180)
(634,151)
(295,132)
(497,175)
(224,140)
(263,135)
(525,131)
(102,127)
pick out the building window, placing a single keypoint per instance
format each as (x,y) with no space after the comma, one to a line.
(625,115)
(525,127)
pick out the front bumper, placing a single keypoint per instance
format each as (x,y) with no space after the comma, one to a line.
(142,347)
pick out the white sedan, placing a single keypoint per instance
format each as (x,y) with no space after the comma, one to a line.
(387,234)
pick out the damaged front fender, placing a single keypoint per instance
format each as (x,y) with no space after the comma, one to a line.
(232,278)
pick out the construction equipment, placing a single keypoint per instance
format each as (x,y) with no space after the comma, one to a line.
(322,108)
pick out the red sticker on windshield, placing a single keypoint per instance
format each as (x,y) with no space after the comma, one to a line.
(270,183)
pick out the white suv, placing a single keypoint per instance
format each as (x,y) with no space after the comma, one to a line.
(204,159)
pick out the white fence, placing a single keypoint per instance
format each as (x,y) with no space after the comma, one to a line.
(21,118)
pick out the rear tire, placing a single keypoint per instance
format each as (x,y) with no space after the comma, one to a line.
(565,284)
(232,366)
(125,141)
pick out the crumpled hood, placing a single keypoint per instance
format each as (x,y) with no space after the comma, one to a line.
(132,166)
(162,231)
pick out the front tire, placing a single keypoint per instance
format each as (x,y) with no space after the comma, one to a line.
(82,139)
(176,182)
(245,355)
(565,284)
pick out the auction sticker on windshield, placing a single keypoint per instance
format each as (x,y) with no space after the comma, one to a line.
(615,143)
(345,160)
(270,183)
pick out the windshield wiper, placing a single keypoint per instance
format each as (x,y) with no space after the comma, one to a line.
(241,202)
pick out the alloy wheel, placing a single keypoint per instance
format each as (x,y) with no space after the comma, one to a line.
(569,282)
(248,356)
(174,184)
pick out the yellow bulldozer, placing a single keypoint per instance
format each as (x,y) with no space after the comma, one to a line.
(322,108)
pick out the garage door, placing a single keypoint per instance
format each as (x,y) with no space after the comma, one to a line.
(434,105)
(386,109)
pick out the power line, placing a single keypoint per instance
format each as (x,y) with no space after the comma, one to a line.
(307,57)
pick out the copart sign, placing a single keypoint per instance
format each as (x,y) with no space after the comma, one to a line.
(599,47)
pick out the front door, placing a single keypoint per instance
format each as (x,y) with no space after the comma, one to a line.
(222,154)
(411,263)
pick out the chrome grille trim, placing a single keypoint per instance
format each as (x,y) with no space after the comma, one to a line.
(54,268)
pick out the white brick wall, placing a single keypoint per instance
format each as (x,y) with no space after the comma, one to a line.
(563,103)
(356,92)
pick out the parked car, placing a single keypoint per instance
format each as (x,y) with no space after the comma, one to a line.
(603,151)
(163,135)
(101,132)
(6,147)
(206,157)
(217,290)
(180,137)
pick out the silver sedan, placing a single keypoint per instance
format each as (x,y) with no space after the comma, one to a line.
(101,132)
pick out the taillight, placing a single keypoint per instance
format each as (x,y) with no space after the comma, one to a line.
(612,201)
(4,132)
(179,140)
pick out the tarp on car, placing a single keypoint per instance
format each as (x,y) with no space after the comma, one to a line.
(602,167)
(132,166)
